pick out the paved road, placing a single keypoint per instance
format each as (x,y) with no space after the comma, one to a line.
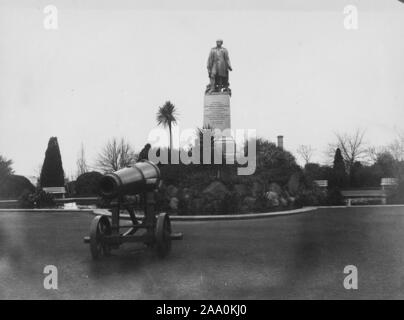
(300,256)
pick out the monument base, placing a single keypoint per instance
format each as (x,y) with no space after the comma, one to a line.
(216,112)
(216,115)
(228,147)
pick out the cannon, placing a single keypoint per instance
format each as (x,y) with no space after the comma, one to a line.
(124,190)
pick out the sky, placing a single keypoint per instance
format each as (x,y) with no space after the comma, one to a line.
(103,73)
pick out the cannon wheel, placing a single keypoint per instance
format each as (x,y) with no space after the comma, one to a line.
(100,227)
(163,233)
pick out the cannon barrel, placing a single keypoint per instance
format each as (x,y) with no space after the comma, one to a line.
(142,177)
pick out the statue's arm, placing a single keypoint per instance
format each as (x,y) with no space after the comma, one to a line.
(228,60)
(210,61)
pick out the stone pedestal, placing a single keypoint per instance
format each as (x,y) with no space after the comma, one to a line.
(216,115)
(228,146)
(216,112)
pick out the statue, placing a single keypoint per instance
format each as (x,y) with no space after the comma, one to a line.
(218,69)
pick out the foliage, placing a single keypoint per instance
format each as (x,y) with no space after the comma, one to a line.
(13,186)
(167,116)
(81,163)
(36,199)
(52,174)
(398,196)
(274,164)
(305,152)
(363,176)
(314,171)
(87,184)
(116,155)
(5,167)
(313,196)
(338,177)
(334,197)
(352,146)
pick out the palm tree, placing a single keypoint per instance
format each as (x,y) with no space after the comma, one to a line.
(167,117)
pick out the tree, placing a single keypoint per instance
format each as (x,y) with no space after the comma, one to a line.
(386,166)
(6,172)
(116,155)
(82,166)
(305,152)
(5,167)
(274,164)
(166,116)
(338,176)
(397,147)
(352,147)
(314,171)
(374,152)
(52,174)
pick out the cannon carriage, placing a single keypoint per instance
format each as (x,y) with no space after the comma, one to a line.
(154,229)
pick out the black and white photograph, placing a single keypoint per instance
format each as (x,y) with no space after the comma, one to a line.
(201,154)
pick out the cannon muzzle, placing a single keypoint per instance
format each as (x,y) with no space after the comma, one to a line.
(142,177)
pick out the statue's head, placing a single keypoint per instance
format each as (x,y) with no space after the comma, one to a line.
(219,42)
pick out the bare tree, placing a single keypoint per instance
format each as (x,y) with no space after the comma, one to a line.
(396,148)
(81,163)
(375,151)
(116,155)
(305,152)
(353,147)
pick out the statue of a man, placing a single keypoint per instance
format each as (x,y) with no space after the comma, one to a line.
(218,67)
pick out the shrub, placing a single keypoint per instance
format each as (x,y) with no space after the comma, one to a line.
(37,199)
(14,186)
(88,183)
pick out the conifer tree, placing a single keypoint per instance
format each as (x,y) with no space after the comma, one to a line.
(52,174)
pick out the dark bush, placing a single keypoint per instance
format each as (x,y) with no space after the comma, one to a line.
(334,197)
(87,184)
(37,199)
(397,195)
(311,197)
(14,186)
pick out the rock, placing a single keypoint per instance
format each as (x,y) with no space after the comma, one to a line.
(271,195)
(283,202)
(173,204)
(249,202)
(216,190)
(241,190)
(172,191)
(257,189)
(272,199)
(274,187)
(292,200)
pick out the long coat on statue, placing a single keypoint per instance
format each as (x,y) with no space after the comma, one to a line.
(219,62)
